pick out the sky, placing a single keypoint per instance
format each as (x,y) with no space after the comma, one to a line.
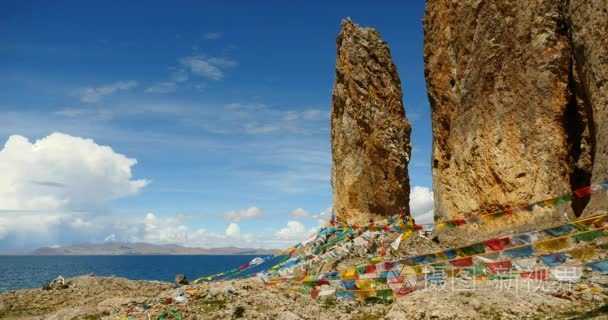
(198,123)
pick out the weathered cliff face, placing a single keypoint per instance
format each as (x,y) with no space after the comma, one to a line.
(370,136)
(587,23)
(507,127)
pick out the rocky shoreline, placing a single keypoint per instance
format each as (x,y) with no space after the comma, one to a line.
(93,297)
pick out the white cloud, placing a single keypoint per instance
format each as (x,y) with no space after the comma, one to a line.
(300,213)
(93,95)
(212,35)
(235,216)
(295,230)
(422,204)
(323,216)
(162,87)
(62,172)
(233,230)
(208,67)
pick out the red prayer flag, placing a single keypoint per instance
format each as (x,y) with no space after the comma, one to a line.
(384,266)
(370,268)
(497,244)
(403,291)
(583,192)
(463,262)
(417,227)
(535,275)
(458,222)
(499,267)
(321,282)
(314,293)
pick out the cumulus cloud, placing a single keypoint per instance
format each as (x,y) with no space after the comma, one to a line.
(294,230)
(63,172)
(93,95)
(323,216)
(422,204)
(209,67)
(233,230)
(300,213)
(235,216)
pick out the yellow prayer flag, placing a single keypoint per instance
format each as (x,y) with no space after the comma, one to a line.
(406,234)
(349,274)
(364,284)
(552,245)
(584,253)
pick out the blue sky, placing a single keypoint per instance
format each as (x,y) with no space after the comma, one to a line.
(225,108)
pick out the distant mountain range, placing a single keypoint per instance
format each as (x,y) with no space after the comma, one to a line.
(141,248)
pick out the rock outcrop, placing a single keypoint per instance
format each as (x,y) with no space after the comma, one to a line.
(370,135)
(587,23)
(518,97)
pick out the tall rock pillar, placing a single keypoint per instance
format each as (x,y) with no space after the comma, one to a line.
(370,135)
(507,128)
(587,23)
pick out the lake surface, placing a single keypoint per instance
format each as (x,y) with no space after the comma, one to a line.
(21,272)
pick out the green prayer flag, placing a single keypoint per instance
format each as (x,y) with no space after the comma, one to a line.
(472,250)
(384,294)
(502,276)
(476,271)
(563,199)
(361,270)
(589,236)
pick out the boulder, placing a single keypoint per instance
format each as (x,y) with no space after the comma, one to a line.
(181,279)
(370,135)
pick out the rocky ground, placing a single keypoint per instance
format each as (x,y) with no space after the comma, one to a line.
(92,297)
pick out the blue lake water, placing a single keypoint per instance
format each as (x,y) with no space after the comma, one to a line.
(21,272)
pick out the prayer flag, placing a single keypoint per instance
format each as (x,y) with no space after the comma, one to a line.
(599,266)
(552,245)
(384,266)
(497,244)
(559,231)
(345,295)
(554,259)
(370,268)
(520,252)
(364,284)
(476,271)
(502,276)
(384,294)
(562,199)
(450,254)
(525,264)
(472,250)
(361,270)
(535,275)
(462,262)
(348,284)
(349,273)
(583,192)
(584,253)
(589,236)
(500,267)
